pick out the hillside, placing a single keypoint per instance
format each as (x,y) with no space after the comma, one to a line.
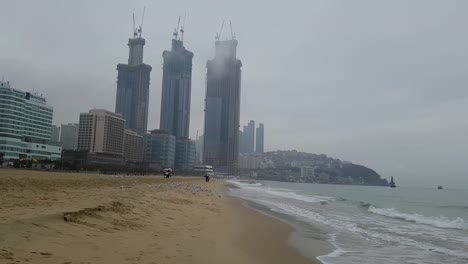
(298,166)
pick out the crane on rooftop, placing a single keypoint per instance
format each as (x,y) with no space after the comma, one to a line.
(218,35)
(182,29)
(176,30)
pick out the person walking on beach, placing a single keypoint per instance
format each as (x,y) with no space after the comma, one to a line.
(207,178)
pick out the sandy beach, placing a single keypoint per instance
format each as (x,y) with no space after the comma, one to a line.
(88,218)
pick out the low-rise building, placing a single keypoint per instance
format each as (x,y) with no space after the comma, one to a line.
(69,136)
(185,154)
(55,133)
(133,146)
(307,172)
(160,148)
(250,161)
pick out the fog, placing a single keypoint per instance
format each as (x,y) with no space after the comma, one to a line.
(378,83)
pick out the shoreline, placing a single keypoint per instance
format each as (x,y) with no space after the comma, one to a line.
(309,240)
(74,218)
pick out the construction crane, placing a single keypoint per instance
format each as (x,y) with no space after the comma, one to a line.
(176,30)
(182,29)
(134,28)
(233,36)
(218,35)
(140,29)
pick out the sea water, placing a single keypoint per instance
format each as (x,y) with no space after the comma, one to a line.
(373,224)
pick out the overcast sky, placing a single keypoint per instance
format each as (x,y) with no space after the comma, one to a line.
(378,83)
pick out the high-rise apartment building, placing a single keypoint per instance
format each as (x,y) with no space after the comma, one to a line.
(176,90)
(69,136)
(133,87)
(101,131)
(25,126)
(222,107)
(260,140)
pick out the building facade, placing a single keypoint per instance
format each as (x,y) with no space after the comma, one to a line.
(133,146)
(101,131)
(248,139)
(260,140)
(133,82)
(160,147)
(25,126)
(250,161)
(55,133)
(222,108)
(199,149)
(185,154)
(69,136)
(176,90)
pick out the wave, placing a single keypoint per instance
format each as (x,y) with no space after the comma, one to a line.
(305,198)
(245,183)
(283,193)
(437,221)
(364,204)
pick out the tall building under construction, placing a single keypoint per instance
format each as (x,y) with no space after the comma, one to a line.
(176,89)
(222,107)
(133,86)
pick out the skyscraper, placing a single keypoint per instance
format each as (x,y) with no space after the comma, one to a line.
(260,141)
(133,87)
(249,137)
(222,107)
(176,89)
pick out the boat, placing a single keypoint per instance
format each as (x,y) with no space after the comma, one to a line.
(440,187)
(392,183)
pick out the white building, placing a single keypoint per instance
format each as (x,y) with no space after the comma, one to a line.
(25,126)
(134,146)
(251,161)
(101,131)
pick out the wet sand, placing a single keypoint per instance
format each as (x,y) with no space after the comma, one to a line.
(88,218)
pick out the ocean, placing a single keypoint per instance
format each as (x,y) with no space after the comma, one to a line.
(372,224)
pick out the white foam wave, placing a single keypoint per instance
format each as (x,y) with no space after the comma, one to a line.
(341,224)
(283,193)
(439,221)
(245,184)
(300,197)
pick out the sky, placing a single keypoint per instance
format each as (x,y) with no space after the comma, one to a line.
(378,83)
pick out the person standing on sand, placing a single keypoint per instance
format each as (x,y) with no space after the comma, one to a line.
(207,178)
